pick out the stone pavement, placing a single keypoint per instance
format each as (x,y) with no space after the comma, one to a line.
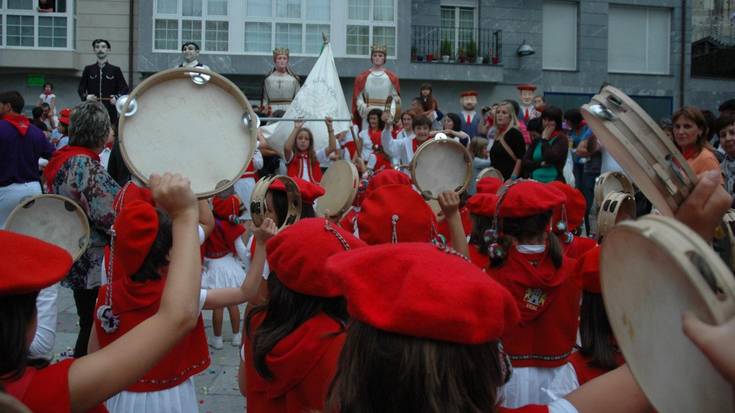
(217,389)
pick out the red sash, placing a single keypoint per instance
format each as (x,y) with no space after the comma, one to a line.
(20,122)
(59,158)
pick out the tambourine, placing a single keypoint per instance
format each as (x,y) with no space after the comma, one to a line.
(9,404)
(340,183)
(259,205)
(616,207)
(55,219)
(441,164)
(490,173)
(639,145)
(724,242)
(190,121)
(653,270)
(611,182)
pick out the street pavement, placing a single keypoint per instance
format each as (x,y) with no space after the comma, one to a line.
(217,389)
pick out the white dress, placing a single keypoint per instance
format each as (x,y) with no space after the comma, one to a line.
(227,271)
(537,385)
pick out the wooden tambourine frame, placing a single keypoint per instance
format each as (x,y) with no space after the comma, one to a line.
(63,222)
(490,172)
(340,183)
(611,207)
(653,270)
(212,118)
(259,206)
(725,238)
(611,182)
(639,145)
(426,187)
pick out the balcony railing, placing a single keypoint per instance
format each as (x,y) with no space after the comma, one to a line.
(456,45)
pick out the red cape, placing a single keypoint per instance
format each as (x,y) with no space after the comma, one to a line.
(360,81)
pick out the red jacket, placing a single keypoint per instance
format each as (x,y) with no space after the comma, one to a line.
(303,365)
(531,408)
(585,371)
(578,246)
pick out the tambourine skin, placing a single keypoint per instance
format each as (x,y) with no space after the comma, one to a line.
(639,145)
(52,218)
(615,207)
(611,182)
(725,239)
(440,165)
(340,183)
(189,121)
(490,172)
(259,206)
(652,271)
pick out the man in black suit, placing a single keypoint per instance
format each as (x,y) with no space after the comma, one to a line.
(103,81)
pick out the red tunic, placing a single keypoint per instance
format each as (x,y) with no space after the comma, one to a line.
(382,161)
(585,371)
(443,227)
(45,390)
(360,82)
(531,408)
(478,258)
(303,365)
(578,246)
(295,167)
(549,303)
(222,239)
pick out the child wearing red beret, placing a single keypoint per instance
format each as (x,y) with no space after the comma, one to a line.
(28,265)
(293,341)
(302,158)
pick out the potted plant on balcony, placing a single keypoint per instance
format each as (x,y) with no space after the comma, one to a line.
(429,57)
(446,50)
(471,50)
(461,55)
(413,53)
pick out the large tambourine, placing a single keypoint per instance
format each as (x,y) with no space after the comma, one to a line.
(653,270)
(259,207)
(440,165)
(190,121)
(340,183)
(611,182)
(724,242)
(490,173)
(639,145)
(616,207)
(55,219)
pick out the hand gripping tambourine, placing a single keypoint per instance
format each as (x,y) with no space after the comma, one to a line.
(55,219)
(644,151)
(191,121)
(653,270)
(259,202)
(616,207)
(490,173)
(611,182)
(340,183)
(441,164)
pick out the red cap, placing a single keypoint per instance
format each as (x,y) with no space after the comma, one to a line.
(482,204)
(527,198)
(309,190)
(417,290)
(468,93)
(489,185)
(224,208)
(395,213)
(298,253)
(575,206)
(588,267)
(387,177)
(136,228)
(526,86)
(129,193)
(28,264)
(64,116)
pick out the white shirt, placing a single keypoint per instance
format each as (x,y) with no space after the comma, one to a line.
(47,311)
(399,149)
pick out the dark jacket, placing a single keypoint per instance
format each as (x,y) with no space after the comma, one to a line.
(103,82)
(553,154)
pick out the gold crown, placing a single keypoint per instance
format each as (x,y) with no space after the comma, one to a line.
(279,51)
(378,48)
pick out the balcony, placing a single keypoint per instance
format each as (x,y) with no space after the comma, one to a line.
(435,44)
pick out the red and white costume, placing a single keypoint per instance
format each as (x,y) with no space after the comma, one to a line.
(371,91)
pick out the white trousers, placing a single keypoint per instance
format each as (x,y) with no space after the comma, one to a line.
(13,194)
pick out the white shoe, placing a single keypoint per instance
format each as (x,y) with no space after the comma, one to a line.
(237,339)
(216,343)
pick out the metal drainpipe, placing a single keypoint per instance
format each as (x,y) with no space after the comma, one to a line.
(682,66)
(130,45)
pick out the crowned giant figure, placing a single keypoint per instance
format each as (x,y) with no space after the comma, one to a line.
(374,87)
(280,85)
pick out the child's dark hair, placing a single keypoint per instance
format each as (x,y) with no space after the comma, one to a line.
(553,113)
(158,255)
(421,121)
(379,114)
(596,336)
(17,312)
(280,204)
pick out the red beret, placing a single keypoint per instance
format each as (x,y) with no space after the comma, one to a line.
(395,213)
(388,177)
(482,204)
(28,264)
(575,205)
(224,208)
(298,254)
(526,198)
(417,290)
(588,267)
(526,86)
(64,116)
(468,93)
(309,190)
(489,185)
(129,193)
(136,228)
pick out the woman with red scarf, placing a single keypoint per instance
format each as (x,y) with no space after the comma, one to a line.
(302,159)
(372,149)
(690,136)
(545,157)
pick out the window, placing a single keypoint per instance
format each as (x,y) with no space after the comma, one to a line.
(37,24)
(642,41)
(370,22)
(204,22)
(457,27)
(560,35)
(293,24)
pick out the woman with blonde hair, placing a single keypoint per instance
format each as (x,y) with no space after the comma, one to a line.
(508,147)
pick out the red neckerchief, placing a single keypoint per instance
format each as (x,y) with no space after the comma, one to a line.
(222,239)
(61,156)
(690,152)
(554,134)
(415,142)
(375,135)
(296,168)
(20,122)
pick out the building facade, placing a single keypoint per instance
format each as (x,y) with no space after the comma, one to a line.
(640,46)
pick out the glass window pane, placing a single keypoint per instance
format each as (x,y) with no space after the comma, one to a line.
(289,36)
(383,10)
(258,37)
(217,8)
(258,8)
(560,24)
(20,31)
(659,37)
(288,8)
(217,36)
(166,6)
(447,31)
(20,5)
(166,35)
(318,10)
(385,36)
(191,31)
(466,29)
(314,39)
(358,40)
(60,6)
(191,8)
(627,50)
(358,10)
